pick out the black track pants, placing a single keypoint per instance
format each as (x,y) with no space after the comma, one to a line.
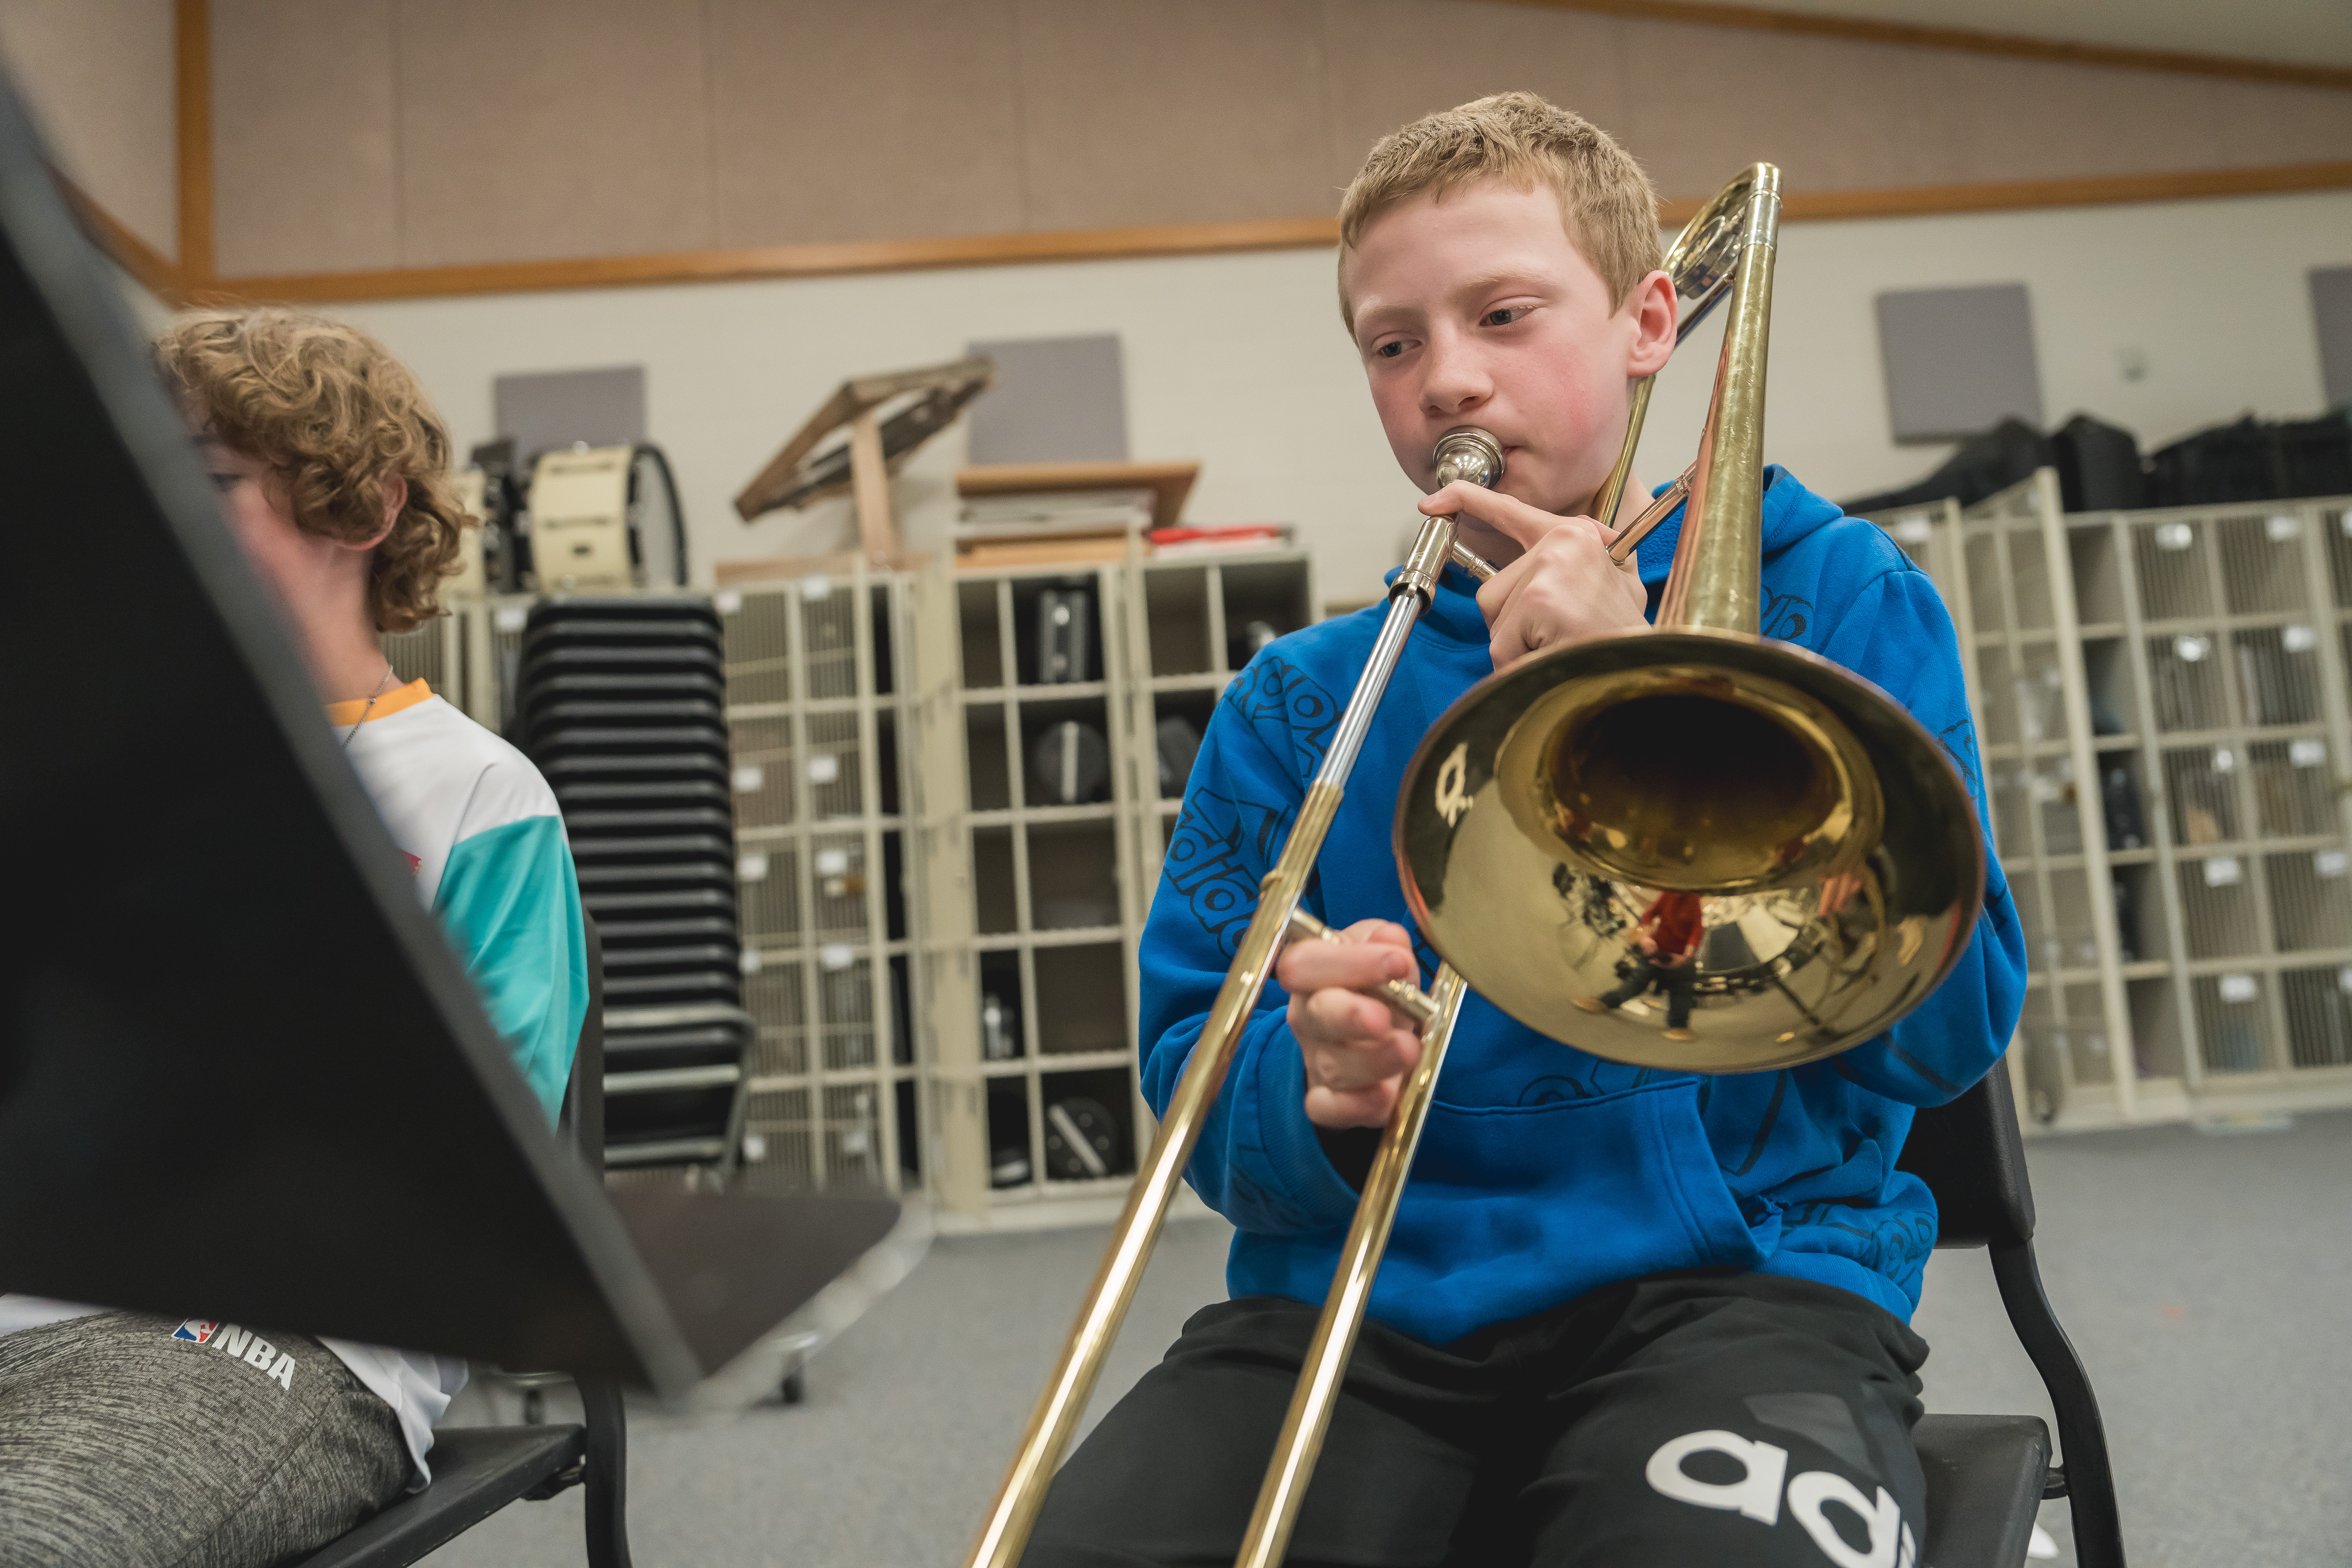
(1690,1419)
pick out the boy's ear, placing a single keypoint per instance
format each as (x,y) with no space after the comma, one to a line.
(395,496)
(1655,310)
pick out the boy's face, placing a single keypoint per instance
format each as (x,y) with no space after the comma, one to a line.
(1477,309)
(302,568)
(255,508)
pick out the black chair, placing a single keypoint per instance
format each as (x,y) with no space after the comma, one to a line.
(1986,1475)
(478,1471)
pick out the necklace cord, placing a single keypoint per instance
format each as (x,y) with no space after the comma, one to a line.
(382,682)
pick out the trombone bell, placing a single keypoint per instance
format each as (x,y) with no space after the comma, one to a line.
(1824,838)
(1772,842)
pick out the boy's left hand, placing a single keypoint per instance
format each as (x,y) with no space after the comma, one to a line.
(1562,589)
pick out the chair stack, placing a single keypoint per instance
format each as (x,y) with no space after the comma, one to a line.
(621,702)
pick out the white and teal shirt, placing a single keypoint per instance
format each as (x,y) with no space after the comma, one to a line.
(481,834)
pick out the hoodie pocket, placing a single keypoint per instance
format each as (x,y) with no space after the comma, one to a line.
(1512,1209)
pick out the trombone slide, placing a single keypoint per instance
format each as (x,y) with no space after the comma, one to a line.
(1013,1514)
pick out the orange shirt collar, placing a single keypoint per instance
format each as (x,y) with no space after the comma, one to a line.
(390,702)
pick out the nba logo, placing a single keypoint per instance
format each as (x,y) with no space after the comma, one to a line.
(197,1330)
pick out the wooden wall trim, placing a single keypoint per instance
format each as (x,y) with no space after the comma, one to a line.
(192,76)
(159,272)
(789,261)
(1194,239)
(1966,40)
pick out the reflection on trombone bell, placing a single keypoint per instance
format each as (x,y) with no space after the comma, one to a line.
(1670,931)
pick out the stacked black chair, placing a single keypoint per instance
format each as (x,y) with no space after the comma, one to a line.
(621,702)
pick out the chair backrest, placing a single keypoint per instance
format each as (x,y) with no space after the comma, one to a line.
(1971,1157)
(582,1118)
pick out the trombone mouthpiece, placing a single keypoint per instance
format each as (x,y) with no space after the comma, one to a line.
(1466,452)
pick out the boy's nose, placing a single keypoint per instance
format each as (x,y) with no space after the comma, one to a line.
(1455,382)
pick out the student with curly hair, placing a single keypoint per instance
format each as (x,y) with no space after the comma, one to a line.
(127,1438)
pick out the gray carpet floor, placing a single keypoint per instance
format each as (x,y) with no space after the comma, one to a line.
(2207,1280)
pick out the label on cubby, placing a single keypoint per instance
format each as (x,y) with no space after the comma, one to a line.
(2328,863)
(728,601)
(833,862)
(748,961)
(816,588)
(2174,536)
(2306,753)
(513,617)
(2238,988)
(824,768)
(752,868)
(749,778)
(2223,871)
(2299,639)
(836,955)
(2282,526)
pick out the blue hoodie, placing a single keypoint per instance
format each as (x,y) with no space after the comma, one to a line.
(1545,1172)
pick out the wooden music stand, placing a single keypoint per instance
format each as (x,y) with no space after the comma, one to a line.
(876,448)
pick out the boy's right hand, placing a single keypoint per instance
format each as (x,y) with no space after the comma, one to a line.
(1356,1048)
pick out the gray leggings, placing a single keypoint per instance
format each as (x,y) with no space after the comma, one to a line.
(128,1441)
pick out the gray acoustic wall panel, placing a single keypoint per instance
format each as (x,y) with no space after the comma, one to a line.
(556,408)
(1958,360)
(2331,313)
(1056,400)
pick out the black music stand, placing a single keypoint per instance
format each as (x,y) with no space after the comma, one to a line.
(241,1073)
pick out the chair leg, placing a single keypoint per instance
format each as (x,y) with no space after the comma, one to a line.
(2089,1484)
(607,1480)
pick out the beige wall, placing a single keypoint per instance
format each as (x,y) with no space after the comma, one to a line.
(376,133)
(102,79)
(1239,361)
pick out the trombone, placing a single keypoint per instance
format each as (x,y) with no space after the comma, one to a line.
(1838,874)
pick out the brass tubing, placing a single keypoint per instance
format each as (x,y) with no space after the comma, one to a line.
(1301,1442)
(1656,512)
(1612,491)
(1006,1535)
(1466,453)
(1470,561)
(1402,994)
(1717,581)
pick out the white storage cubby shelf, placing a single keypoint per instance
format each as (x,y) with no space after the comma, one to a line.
(2160,700)
(816,717)
(1036,904)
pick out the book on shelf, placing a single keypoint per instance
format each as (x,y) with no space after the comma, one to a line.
(1069,512)
(1166,541)
(1081,546)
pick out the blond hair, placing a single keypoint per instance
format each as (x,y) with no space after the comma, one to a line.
(1606,202)
(334,417)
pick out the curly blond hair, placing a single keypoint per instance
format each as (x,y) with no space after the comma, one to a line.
(1607,202)
(334,417)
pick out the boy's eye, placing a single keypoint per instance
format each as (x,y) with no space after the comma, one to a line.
(1503,316)
(223,482)
(1391,350)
